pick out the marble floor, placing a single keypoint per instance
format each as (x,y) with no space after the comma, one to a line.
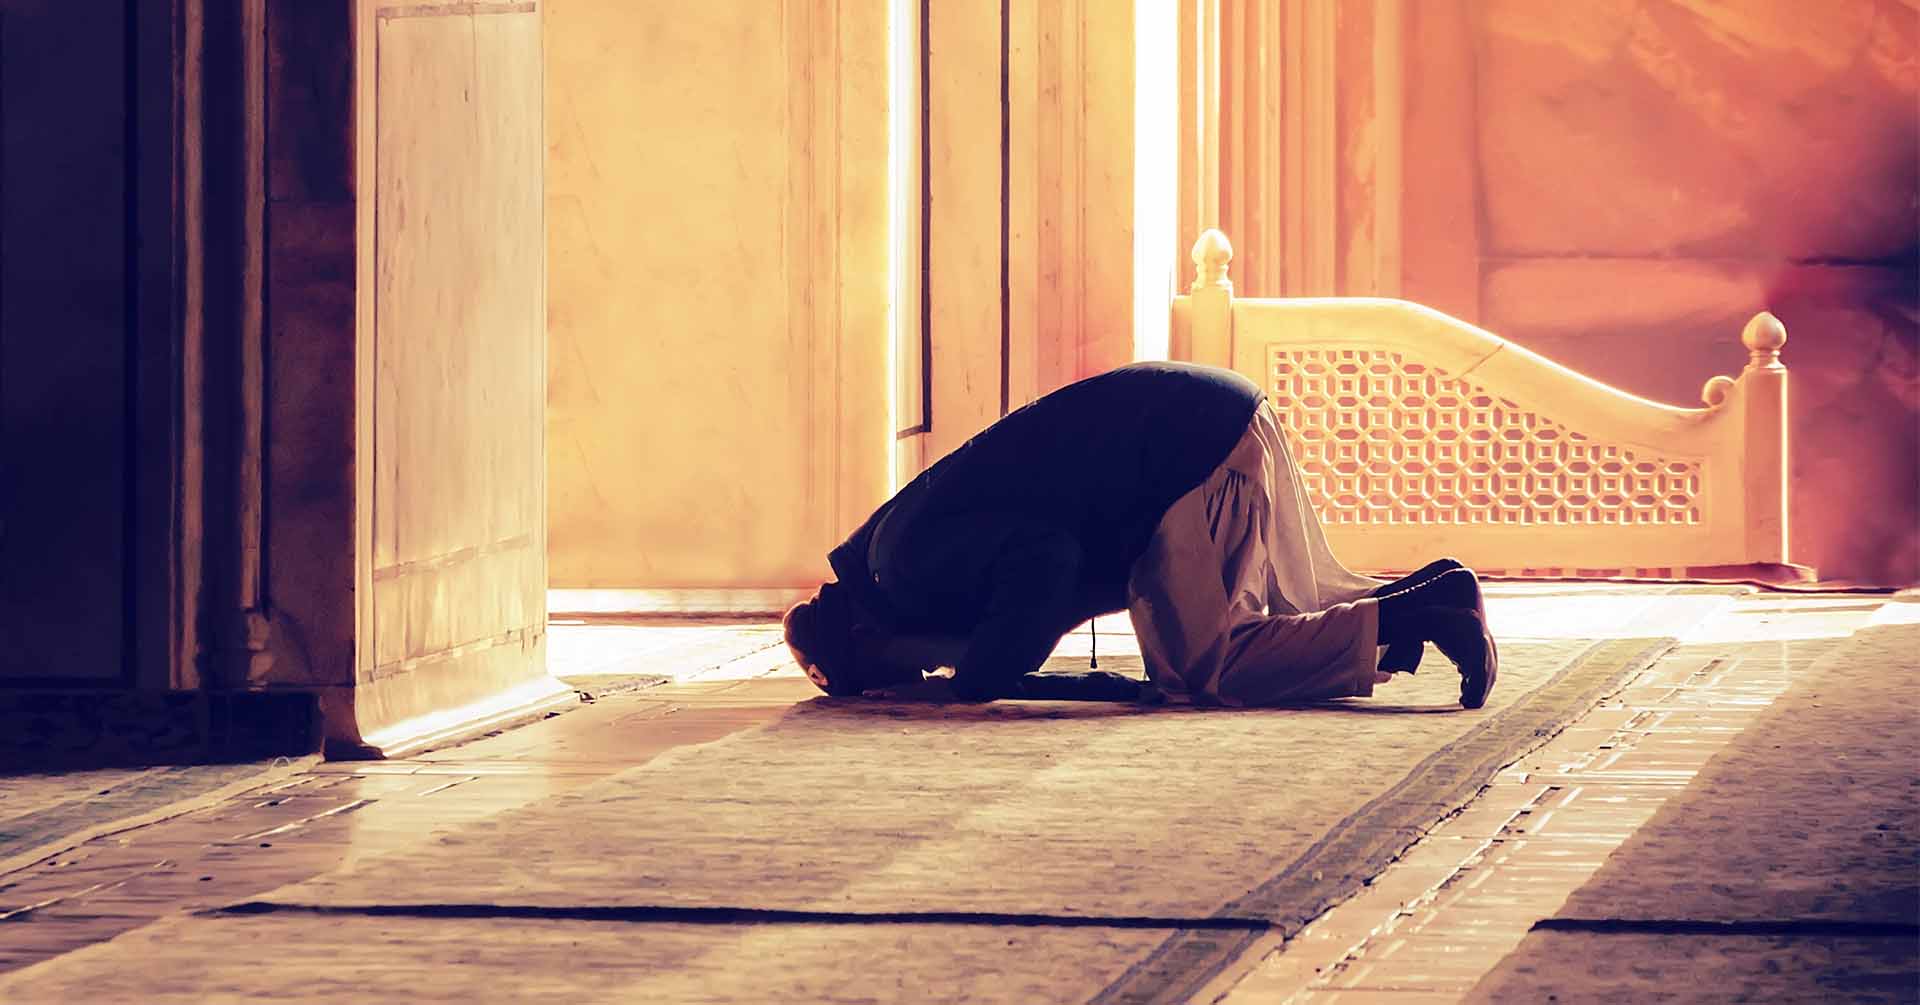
(677,793)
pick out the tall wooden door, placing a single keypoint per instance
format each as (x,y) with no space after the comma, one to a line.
(453,371)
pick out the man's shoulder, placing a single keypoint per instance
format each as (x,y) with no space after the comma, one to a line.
(1197,376)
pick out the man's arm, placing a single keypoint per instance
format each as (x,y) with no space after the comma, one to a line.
(1030,584)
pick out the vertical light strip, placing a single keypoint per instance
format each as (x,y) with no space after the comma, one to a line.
(923,232)
(1006,222)
(1156,171)
(899,103)
(1072,82)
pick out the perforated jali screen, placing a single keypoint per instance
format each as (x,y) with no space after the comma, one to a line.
(1384,440)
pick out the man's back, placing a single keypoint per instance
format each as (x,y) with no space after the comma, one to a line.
(1098,461)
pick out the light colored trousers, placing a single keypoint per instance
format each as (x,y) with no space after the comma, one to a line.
(1238,600)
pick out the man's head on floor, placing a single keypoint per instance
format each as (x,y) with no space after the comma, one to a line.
(824,634)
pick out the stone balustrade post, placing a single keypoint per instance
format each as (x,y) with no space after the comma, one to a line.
(1763,396)
(1212,298)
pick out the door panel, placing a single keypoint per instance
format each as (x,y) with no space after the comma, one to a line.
(684,427)
(458,573)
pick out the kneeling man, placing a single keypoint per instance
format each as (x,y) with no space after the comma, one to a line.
(1162,489)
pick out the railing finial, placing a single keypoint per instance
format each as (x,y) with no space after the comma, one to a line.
(1211,255)
(1764,336)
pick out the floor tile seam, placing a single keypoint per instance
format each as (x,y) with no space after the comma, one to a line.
(759,652)
(1388,974)
(1743,927)
(534,769)
(273,775)
(1436,988)
(295,835)
(27,911)
(1581,837)
(1472,882)
(1623,781)
(727,915)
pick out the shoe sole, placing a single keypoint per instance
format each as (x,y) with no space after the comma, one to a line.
(1473,694)
(1474,688)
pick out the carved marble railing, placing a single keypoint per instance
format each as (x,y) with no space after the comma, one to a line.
(1420,435)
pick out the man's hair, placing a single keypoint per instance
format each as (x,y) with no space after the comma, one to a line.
(819,634)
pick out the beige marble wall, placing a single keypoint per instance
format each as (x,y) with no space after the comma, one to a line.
(1619,184)
(717,229)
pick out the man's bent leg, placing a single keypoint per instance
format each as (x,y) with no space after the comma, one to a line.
(1301,657)
(1177,594)
(1197,602)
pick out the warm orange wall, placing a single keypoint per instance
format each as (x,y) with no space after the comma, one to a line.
(1620,184)
(717,289)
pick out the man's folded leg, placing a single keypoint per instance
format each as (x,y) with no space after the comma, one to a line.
(1289,658)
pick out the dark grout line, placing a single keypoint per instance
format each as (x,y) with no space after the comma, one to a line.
(1691,926)
(680,915)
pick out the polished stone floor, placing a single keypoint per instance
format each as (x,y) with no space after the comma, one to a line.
(710,829)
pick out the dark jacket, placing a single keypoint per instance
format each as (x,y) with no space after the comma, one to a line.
(1032,527)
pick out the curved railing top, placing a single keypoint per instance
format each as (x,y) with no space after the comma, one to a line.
(1459,345)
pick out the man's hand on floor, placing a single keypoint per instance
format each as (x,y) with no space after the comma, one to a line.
(1093,685)
(934,687)
(1084,685)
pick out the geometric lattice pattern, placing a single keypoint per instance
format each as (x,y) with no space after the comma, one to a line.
(1380,440)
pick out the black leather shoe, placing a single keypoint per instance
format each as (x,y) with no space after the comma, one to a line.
(1461,634)
(1443,583)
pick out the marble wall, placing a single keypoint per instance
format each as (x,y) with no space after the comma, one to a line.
(717,214)
(719,288)
(1646,174)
